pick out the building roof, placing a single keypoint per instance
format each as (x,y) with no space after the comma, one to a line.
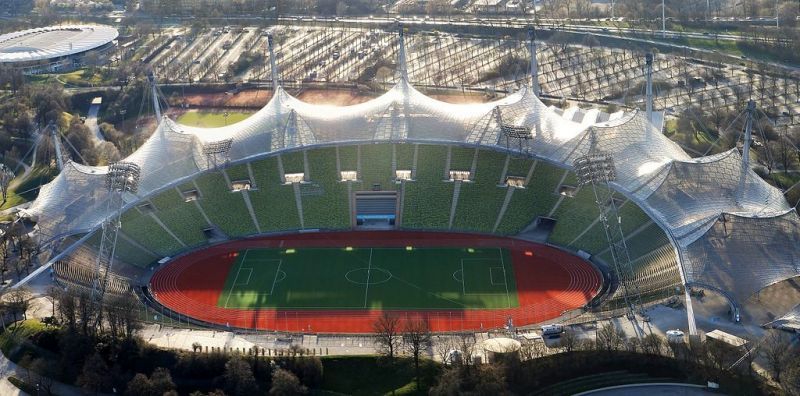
(501,345)
(53,42)
(727,338)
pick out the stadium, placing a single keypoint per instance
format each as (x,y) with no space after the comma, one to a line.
(318,218)
(55,48)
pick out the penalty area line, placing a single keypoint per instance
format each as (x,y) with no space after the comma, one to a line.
(275,280)
(236,278)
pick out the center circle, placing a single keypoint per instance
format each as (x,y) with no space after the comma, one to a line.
(368,276)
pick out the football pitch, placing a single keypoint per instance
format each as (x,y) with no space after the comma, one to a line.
(371,278)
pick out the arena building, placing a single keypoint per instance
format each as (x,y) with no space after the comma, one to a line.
(55,49)
(311,217)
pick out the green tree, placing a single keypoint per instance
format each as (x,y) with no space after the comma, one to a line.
(238,377)
(96,375)
(285,383)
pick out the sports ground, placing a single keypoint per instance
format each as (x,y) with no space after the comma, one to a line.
(370,278)
(341,282)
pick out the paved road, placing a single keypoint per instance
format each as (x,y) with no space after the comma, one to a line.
(91,123)
(650,390)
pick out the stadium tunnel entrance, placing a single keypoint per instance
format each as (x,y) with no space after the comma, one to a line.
(375,210)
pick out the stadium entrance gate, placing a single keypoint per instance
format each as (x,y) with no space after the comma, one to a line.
(376,209)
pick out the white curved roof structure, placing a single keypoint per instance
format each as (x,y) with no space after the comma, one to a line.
(731,230)
(53,42)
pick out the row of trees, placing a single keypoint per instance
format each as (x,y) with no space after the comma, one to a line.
(533,365)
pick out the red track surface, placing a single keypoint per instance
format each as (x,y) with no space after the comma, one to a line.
(548,283)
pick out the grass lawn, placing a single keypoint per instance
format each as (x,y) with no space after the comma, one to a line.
(211,119)
(367,278)
(80,77)
(27,189)
(369,375)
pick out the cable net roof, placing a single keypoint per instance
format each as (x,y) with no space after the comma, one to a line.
(687,197)
(741,254)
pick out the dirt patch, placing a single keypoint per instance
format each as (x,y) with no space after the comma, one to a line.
(339,97)
(258,98)
(467,98)
(252,98)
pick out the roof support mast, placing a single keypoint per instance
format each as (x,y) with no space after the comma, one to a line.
(57,145)
(649,71)
(401,57)
(273,64)
(151,78)
(748,134)
(534,64)
(748,140)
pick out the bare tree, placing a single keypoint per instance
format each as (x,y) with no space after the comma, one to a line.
(18,301)
(443,345)
(417,339)
(609,338)
(6,176)
(777,353)
(532,350)
(387,328)
(467,348)
(569,341)
(652,344)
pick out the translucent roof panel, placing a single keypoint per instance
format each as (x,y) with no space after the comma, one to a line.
(743,254)
(694,191)
(75,201)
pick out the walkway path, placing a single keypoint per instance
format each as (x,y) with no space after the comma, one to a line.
(91,123)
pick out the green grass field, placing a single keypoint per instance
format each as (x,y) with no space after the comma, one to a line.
(211,119)
(371,278)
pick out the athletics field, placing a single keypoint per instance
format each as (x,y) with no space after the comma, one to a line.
(342,282)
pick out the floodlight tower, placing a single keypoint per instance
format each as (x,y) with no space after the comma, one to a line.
(217,153)
(521,135)
(534,64)
(596,168)
(122,177)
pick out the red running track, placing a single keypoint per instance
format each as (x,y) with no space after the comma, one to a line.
(549,283)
